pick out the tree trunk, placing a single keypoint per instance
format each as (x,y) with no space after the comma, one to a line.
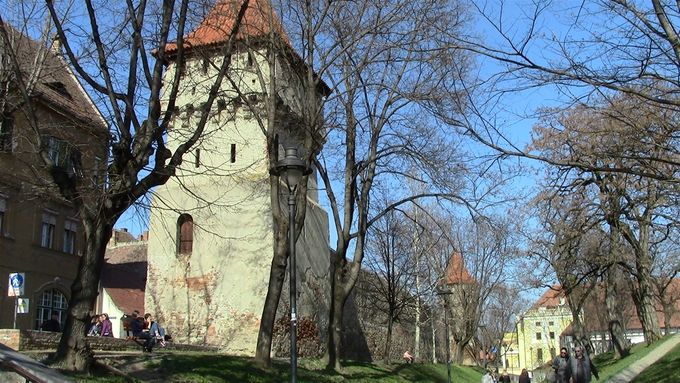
(616,326)
(458,352)
(667,314)
(388,341)
(332,357)
(646,311)
(73,352)
(276,278)
(434,342)
(643,293)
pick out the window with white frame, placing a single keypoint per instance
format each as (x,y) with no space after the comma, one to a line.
(70,230)
(3,208)
(51,302)
(49,224)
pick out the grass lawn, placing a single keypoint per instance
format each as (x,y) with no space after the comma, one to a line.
(666,369)
(211,367)
(608,365)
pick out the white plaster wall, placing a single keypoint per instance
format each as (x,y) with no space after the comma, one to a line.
(115,314)
(216,294)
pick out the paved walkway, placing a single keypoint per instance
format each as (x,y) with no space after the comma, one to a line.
(630,372)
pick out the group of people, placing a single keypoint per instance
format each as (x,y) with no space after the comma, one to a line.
(100,325)
(493,377)
(147,329)
(568,369)
(574,369)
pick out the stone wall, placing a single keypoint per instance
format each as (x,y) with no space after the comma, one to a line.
(24,340)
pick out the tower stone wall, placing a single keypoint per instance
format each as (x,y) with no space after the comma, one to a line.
(215,293)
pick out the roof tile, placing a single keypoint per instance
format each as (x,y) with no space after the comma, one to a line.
(258,21)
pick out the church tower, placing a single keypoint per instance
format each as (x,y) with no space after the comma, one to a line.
(211,233)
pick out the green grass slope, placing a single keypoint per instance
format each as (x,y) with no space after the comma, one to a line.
(666,369)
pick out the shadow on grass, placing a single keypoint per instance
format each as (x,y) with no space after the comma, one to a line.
(218,368)
(666,369)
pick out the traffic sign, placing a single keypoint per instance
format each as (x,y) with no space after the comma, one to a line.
(16,284)
(22,306)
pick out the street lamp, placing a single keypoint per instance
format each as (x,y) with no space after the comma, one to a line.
(442,292)
(291,169)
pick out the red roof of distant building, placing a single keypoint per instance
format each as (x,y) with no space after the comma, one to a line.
(552,298)
(456,273)
(259,20)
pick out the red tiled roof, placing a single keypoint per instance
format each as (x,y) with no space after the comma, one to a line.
(259,20)
(552,298)
(124,276)
(456,273)
(596,317)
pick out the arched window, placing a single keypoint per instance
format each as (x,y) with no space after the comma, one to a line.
(185,234)
(51,302)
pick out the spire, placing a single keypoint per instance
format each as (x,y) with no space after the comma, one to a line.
(258,21)
(456,273)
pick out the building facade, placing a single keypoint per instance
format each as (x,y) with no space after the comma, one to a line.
(40,232)
(211,236)
(539,329)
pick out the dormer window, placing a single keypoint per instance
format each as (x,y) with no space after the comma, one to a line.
(59,87)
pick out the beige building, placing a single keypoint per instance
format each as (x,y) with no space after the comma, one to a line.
(539,329)
(40,233)
(211,235)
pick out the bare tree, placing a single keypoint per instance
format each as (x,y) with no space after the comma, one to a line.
(389,258)
(665,282)
(486,249)
(584,50)
(633,206)
(119,51)
(390,57)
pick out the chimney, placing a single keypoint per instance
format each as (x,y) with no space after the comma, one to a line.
(144,236)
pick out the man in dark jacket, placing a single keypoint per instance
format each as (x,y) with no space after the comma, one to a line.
(581,368)
(51,324)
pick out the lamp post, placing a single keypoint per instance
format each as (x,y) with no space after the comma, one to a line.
(291,168)
(442,292)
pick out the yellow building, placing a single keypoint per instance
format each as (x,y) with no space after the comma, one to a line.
(509,353)
(539,329)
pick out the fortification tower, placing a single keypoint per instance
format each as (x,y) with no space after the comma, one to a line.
(211,236)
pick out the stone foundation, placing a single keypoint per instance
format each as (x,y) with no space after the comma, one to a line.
(25,340)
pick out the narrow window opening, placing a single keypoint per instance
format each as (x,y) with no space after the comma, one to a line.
(221,105)
(206,64)
(233,153)
(197,159)
(250,60)
(185,234)
(6,131)
(3,208)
